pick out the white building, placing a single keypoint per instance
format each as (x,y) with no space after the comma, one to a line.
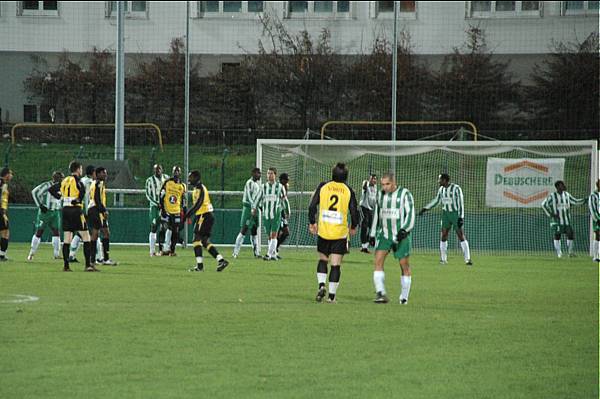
(220,31)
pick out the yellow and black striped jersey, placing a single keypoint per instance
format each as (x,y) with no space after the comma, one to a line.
(172,196)
(4,194)
(335,201)
(201,194)
(72,189)
(98,195)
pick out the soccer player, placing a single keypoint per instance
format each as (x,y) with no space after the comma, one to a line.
(594,205)
(250,213)
(98,216)
(368,198)
(284,231)
(202,210)
(172,202)
(90,176)
(453,215)
(153,185)
(73,219)
(5,177)
(273,197)
(557,206)
(47,197)
(335,200)
(393,220)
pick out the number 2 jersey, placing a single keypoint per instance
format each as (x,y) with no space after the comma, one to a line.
(335,200)
(173,196)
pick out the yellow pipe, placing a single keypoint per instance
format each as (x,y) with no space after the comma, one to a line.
(418,123)
(77,125)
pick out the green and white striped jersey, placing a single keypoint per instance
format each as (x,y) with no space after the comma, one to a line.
(153,186)
(393,212)
(41,196)
(87,183)
(594,205)
(252,194)
(451,198)
(272,199)
(559,205)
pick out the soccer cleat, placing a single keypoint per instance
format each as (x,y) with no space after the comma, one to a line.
(443,262)
(572,255)
(321,294)
(199,268)
(73,259)
(30,257)
(90,269)
(67,269)
(165,253)
(222,264)
(381,298)
(559,256)
(468,262)
(331,300)
(277,257)
(365,250)
(596,260)
(58,257)
(99,260)
(257,256)
(109,262)
(234,255)
(172,254)
(3,259)
(403,301)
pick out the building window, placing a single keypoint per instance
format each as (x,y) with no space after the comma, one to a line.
(30,113)
(133,9)
(216,8)
(303,9)
(579,7)
(499,9)
(38,8)
(385,9)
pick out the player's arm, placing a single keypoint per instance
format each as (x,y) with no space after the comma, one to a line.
(373,230)
(36,194)
(285,201)
(353,208)
(407,215)
(150,192)
(54,191)
(312,208)
(161,196)
(3,188)
(98,198)
(547,207)
(196,206)
(433,203)
(576,201)
(593,206)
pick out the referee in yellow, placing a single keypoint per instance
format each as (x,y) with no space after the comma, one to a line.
(334,200)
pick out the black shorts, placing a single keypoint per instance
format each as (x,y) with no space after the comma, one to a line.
(95,219)
(4,221)
(328,247)
(73,219)
(203,226)
(173,221)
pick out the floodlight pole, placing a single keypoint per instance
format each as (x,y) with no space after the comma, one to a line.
(394,87)
(120,91)
(186,128)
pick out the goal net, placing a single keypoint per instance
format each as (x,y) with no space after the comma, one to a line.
(504,183)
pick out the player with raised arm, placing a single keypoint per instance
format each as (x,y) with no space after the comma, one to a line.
(594,205)
(368,197)
(557,206)
(335,201)
(90,176)
(48,199)
(73,219)
(451,197)
(157,229)
(273,196)
(204,220)
(5,177)
(284,231)
(98,216)
(172,202)
(393,220)
(250,214)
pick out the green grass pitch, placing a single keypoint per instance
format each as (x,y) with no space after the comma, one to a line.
(510,327)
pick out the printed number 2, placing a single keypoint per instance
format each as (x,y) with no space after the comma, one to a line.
(334,200)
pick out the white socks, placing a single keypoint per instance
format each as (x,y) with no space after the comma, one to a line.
(152,241)
(272,248)
(238,244)
(365,245)
(465,247)
(35,243)
(557,248)
(570,246)
(167,244)
(56,245)
(333,288)
(74,246)
(405,283)
(596,249)
(99,250)
(321,278)
(379,280)
(444,251)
